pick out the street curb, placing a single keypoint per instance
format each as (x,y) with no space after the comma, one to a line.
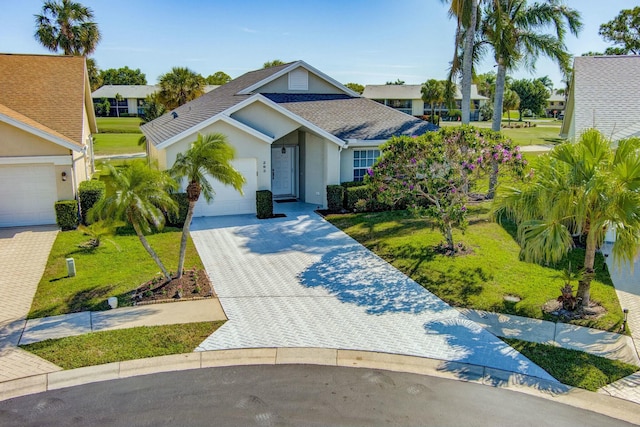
(549,390)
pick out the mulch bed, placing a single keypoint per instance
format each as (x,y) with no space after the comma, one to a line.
(592,312)
(194,284)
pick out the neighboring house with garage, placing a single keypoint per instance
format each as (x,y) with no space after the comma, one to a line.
(408,99)
(46,122)
(295,131)
(604,95)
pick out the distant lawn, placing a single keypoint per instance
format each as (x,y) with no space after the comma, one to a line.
(117,143)
(98,348)
(545,132)
(110,270)
(118,124)
(574,368)
(483,278)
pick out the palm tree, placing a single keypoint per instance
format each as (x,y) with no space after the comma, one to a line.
(67,26)
(179,86)
(432,93)
(517,33)
(584,189)
(209,155)
(466,13)
(511,101)
(138,195)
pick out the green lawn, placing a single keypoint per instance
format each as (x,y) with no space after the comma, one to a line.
(118,124)
(574,368)
(116,143)
(124,344)
(114,269)
(545,132)
(481,279)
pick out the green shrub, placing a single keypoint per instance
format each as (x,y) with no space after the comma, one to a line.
(353,194)
(454,114)
(89,192)
(349,184)
(264,204)
(177,220)
(335,197)
(67,214)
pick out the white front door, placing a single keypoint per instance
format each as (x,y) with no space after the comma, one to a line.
(282,182)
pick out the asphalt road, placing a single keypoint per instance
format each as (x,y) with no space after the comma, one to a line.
(290,396)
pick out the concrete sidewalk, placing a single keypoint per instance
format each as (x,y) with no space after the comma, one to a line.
(67,325)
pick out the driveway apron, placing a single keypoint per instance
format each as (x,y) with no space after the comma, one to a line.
(299,281)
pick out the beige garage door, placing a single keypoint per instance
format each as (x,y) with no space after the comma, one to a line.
(27,195)
(227,200)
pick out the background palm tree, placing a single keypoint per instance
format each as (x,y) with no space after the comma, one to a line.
(510,101)
(466,13)
(179,86)
(517,33)
(432,93)
(138,195)
(209,155)
(67,26)
(584,189)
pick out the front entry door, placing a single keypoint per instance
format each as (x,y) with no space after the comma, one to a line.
(282,183)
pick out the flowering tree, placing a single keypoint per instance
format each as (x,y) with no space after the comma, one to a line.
(424,173)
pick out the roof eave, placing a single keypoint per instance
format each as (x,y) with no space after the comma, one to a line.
(40,133)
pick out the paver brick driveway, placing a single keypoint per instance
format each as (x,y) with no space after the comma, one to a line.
(300,282)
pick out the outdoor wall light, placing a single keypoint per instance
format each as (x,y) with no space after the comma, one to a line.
(284,150)
(64,175)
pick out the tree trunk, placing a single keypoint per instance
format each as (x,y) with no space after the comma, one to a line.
(185,236)
(584,286)
(498,101)
(449,237)
(149,249)
(467,64)
(493,178)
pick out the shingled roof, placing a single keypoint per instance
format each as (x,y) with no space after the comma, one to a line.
(208,105)
(47,89)
(346,117)
(341,115)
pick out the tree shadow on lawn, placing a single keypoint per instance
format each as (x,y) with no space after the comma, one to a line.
(84,300)
(359,277)
(455,286)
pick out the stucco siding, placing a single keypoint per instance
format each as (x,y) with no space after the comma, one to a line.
(315,183)
(16,142)
(246,145)
(266,120)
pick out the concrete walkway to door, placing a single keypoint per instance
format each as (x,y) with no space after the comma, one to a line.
(298,281)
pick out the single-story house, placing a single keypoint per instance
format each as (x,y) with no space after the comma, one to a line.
(408,99)
(555,105)
(128,99)
(295,131)
(604,95)
(46,122)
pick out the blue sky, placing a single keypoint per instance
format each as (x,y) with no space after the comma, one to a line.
(363,41)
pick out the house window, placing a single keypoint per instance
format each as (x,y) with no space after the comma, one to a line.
(363,160)
(404,105)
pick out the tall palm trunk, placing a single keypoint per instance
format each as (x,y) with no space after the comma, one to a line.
(584,285)
(149,249)
(498,102)
(185,236)
(467,64)
(193,194)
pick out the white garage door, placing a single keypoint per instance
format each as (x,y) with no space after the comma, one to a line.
(227,200)
(27,195)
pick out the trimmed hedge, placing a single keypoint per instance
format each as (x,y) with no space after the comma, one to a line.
(67,214)
(264,204)
(177,220)
(335,197)
(368,200)
(89,193)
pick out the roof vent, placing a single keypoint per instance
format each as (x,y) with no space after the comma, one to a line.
(299,79)
(174,114)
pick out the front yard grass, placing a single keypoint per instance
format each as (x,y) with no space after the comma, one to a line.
(114,269)
(544,133)
(572,367)
(482,279)
(119,124)
(123,344)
